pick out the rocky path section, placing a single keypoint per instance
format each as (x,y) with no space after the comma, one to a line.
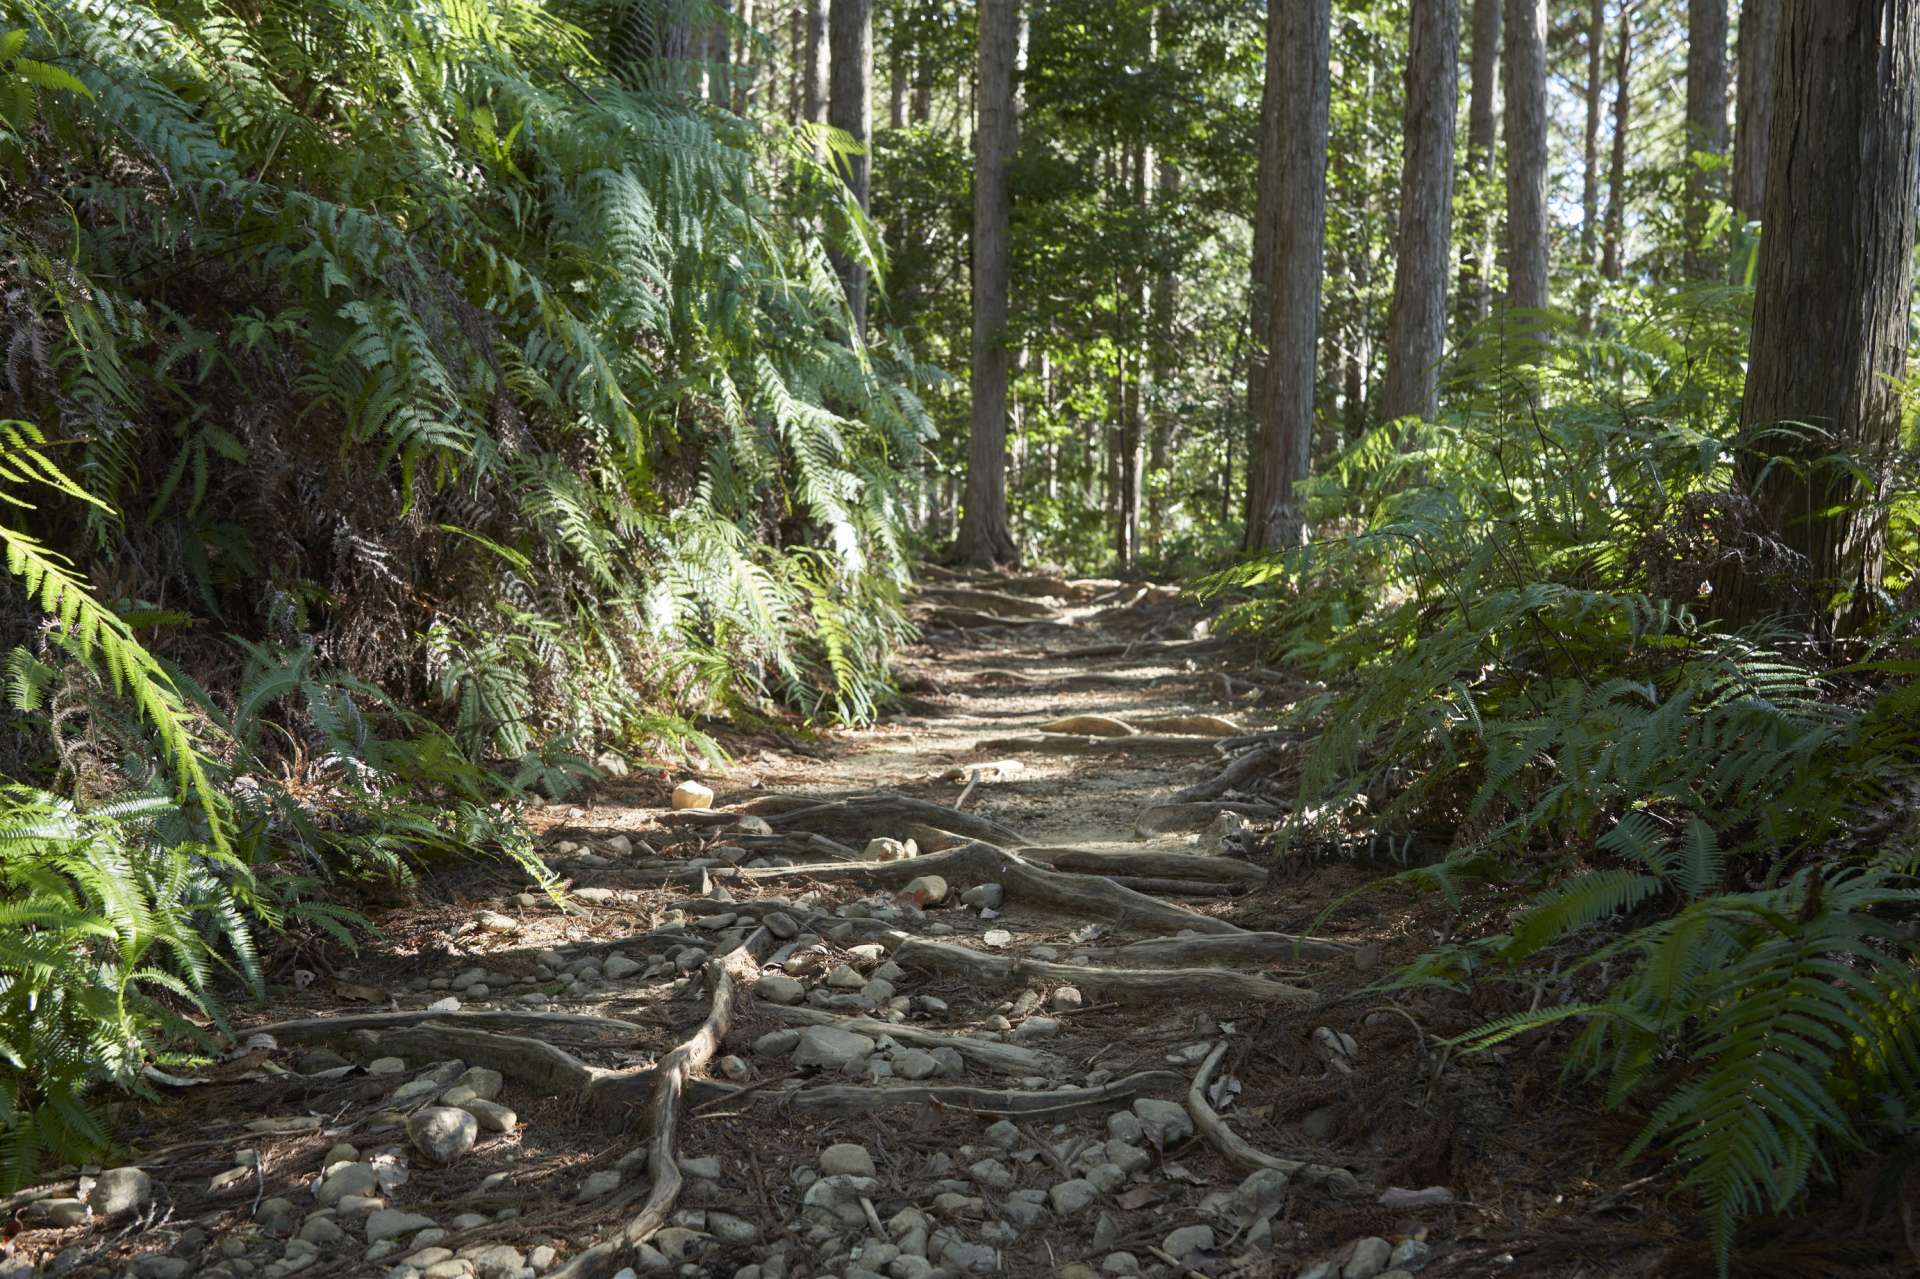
(972,993)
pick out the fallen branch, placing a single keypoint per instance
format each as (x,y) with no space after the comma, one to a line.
(1119,984)
(1236,1149)
(1255,763)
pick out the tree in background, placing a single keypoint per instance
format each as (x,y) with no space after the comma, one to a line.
(1417,324)
(850,110)
(1483,124)
(1759,43)
(1706,133)
(1526,129)
(1833,306)
(1300,29)
(985,538)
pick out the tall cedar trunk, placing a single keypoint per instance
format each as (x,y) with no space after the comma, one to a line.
(1611,264)
(1132,412)
(1753,108)
(1590,139)
(896,83)
(1526,128)
(1166,292)
(985,538)
(1706,131)
(796,48)
(1300,31)
(850,108)
(1833,300)
(1483,124)
(1266,218)
(814,70)
(744,86)
(1417,323)
(720,57)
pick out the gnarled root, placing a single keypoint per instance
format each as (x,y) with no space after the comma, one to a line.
(1203,952)
(1240,773)
(1229,1143)
(1158,745)
(1137,984)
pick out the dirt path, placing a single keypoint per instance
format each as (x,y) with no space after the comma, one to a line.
(760,1046)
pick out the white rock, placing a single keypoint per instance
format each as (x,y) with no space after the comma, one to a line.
(391,1224)
(119,1191)
(777,988)
(846,1159)
(1368,1259)
(443,1133)
(1071,1198)
(1165,1122)
(692,795)
(1188,1239)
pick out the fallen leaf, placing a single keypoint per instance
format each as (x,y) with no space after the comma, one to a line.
(1139,1197)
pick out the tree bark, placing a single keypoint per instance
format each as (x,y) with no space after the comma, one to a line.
(1526,129)
(985,538)
(1266,217)
(1590,150)
(1753,110)
(1166,292)
(813,72)
(850,109)
(1300,31)
(896,83)
(720,58)
(1611,264)
(1483,135)
(796,50)
(1706,133)
(1417,323)
(1832,304)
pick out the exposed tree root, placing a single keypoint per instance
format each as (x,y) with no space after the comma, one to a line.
(973,619)
(1183,866)
(608,1094)
(1237,775)
(1092,896)
(320,1029)
(1241,948)
(1141,648)
(864,817)
(1191,725)
(1090,726)
(1165,819)
(1122,984)
(725,978)
(988,1054)
(994,602)
(1151,744)
(1236,1149)
(853,1099)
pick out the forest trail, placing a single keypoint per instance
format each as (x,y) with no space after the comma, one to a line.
(1065,1039)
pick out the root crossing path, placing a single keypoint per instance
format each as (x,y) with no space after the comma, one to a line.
(1000,986)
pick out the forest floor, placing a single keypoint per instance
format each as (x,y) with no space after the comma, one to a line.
(1077,1035)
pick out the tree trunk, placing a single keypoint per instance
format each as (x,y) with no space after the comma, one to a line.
(1706,132)
(1611,264)
(1300,31)
(720,57)
(1483,121)
(813,71)
(1590,149)
(1759,44)
(850,108)
(985,538)
(744,85)
(796,49)
(653,47)
(1166,290)
(1417,323)
(897,83)
(1833,302)
(1526,128)
(1266,218)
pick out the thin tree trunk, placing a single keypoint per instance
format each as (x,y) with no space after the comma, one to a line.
(1526,129)
(1611,264)
(1132,412)
(985,538)
(1166,291)
(1483,124)
(813,71)
(1300,30)
(796,49)
(1706,132)
(1833,302)
(720,57)
(850,109)
(1590,150)
(1753,111)
(896,84)
(1417,322)
(744,85)
(1266,219)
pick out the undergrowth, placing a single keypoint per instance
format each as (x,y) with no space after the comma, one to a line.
(1710,829)
(381,486)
